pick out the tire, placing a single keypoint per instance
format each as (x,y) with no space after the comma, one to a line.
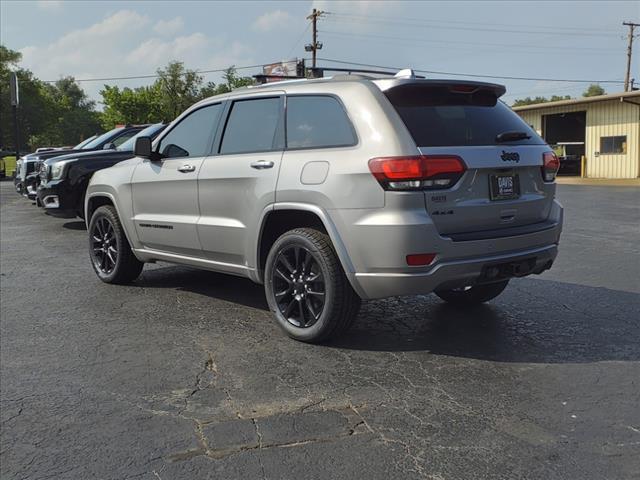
(472,295)
(308,292)
(109,250)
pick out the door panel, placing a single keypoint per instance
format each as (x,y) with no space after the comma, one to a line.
(165,205)
(233,195)
(240,181)
(165,192)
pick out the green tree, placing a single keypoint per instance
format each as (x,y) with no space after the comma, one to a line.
(135,106)
(73,113)
(49,114)
(593,91)
(532,101)
(35,107)
(176,89)
(179,88)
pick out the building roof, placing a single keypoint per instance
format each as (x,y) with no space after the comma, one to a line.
(578,101)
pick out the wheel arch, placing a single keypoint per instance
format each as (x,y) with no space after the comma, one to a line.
(281,217)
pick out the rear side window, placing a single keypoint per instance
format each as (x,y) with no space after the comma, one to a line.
(193,135)
(316,122)
(252,126)
(124,137)
(436,117)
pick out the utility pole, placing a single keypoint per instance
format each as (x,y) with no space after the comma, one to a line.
(632,27)
(15,102)
(314,46)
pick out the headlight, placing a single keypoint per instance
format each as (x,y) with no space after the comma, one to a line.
(57,169)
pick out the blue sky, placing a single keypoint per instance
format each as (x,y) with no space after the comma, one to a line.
(556,40)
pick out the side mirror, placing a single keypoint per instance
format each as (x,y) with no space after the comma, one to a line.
(142,149)
(109,146)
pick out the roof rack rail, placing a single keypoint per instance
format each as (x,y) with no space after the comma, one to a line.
(263,78)
(318,72)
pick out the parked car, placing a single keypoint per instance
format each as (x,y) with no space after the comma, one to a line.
(107,141)
(64,179)
(361,188)
(27,164)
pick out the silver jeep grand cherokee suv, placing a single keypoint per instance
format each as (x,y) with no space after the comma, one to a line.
(334,190)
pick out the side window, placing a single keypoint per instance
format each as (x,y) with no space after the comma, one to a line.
(317,121)
(124,137)
(252,126)
(192,136)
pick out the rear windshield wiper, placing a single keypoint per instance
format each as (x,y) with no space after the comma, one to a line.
(511,136)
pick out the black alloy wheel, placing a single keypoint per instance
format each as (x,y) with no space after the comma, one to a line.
(104,246)
(306,287)
(299,286)
(111,256)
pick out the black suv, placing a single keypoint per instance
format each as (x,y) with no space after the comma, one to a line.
(107,141)
(64,179)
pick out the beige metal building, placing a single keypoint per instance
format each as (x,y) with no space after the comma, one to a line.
(599,135)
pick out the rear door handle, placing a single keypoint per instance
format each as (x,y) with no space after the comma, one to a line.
(187,168)
(262,164)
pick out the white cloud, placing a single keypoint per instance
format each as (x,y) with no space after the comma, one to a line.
(49,4)
(362,7)
(169,27)
(276,20)
(155,52)
(124,44)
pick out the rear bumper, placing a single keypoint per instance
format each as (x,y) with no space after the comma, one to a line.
(377,243)
(455,273)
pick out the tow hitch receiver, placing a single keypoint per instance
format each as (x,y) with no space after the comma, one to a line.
(518,268)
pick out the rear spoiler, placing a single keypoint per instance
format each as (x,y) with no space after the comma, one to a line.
(413,92)
(455,86)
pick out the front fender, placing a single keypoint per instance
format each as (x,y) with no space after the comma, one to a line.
(114,184)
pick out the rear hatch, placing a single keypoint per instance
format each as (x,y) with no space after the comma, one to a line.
(503,183)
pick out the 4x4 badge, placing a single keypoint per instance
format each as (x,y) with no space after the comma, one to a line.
(510,156)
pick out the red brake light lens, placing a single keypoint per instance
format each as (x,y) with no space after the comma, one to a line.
(420,259)
(550,166)
(463,88)
(417,172)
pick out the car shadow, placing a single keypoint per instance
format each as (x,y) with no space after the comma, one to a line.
(534,321)
(77,225)
(214,285)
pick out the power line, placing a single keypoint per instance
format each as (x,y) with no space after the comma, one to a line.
(437,22)
(442,42)
(135,77)
(298,40)
(503,77)
(439,25)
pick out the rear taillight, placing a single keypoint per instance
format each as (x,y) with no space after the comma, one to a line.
(550,166)
(418,172)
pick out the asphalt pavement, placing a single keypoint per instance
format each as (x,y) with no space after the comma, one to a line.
(184,375)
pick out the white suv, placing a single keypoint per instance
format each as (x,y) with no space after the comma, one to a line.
(333,190)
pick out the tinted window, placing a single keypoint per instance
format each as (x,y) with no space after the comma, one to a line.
(124,137)
(84,143)
(104,138)
(151,131)
(437,118)
(192,136)
(317,121)
(252,126)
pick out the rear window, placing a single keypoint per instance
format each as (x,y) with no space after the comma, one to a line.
(435,117)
